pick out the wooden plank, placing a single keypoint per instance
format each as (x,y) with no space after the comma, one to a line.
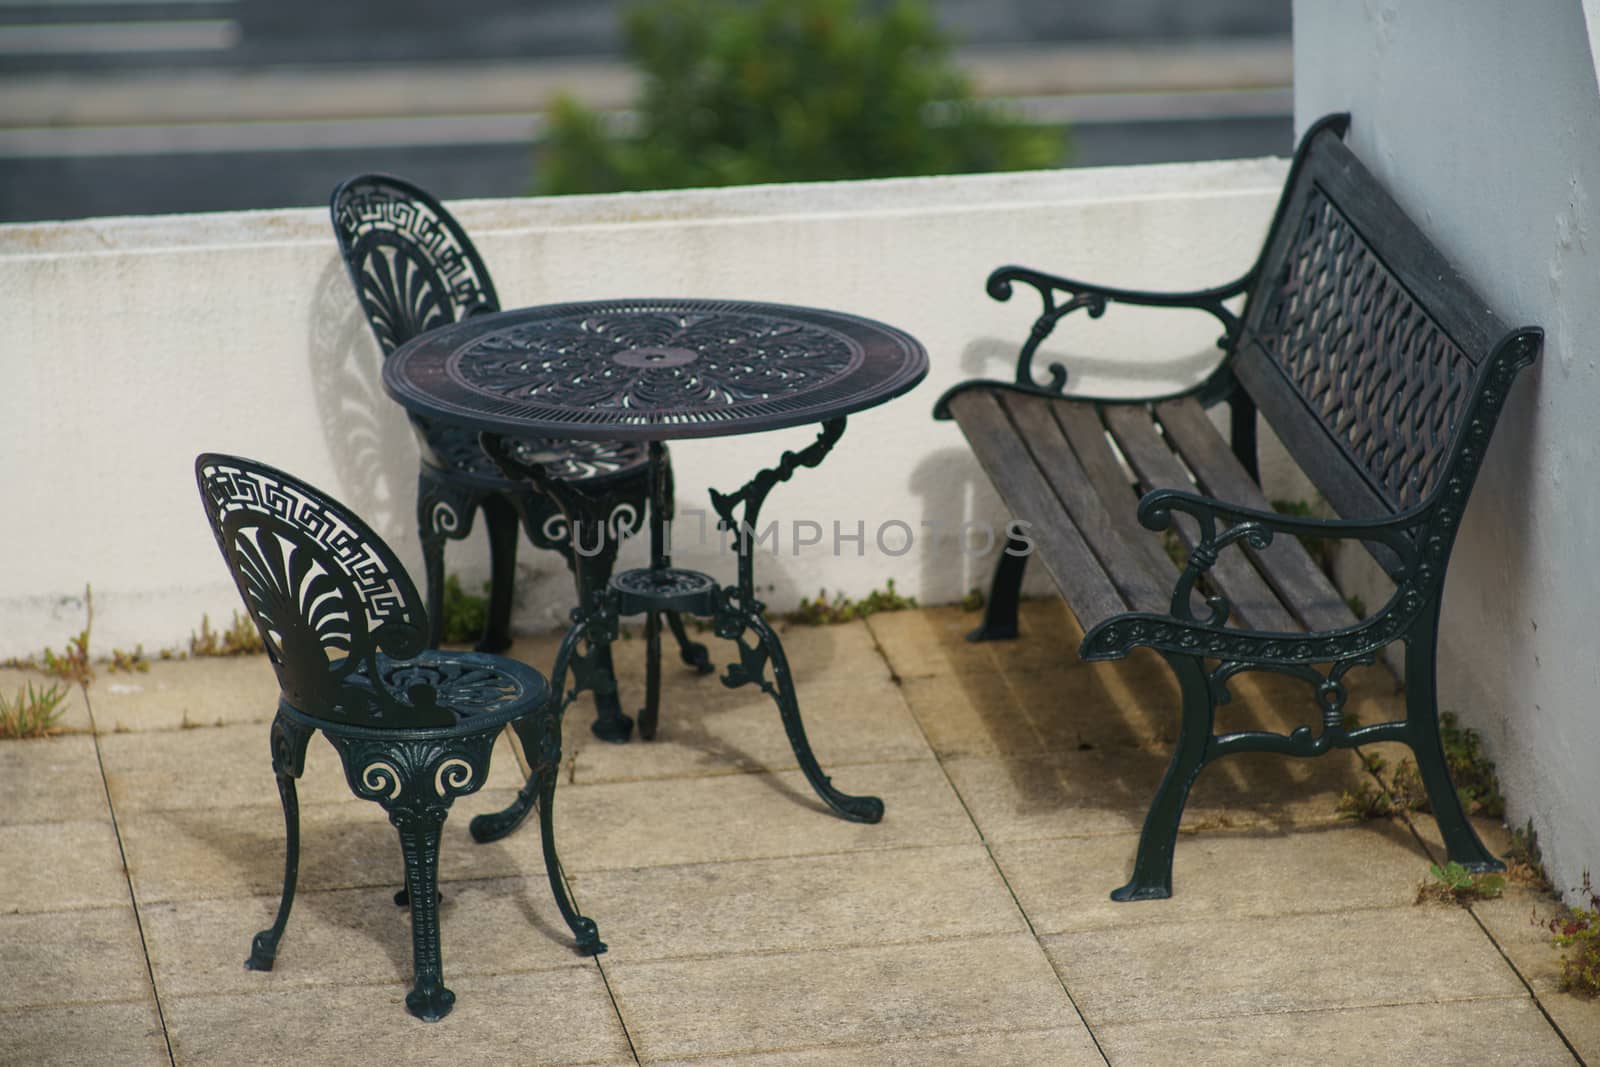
(1145,578)
(1286,564)
(1005,459)
(1087,435)
(1255,604)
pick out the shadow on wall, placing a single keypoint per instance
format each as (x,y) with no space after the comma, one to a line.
(370,445)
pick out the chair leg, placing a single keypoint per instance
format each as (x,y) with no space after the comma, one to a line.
(1152,867)
(610,722)
(428,1000)
(288,760)
(1005,590)
(1461,841)
(693,653)
(584,929)
(541,752)
(652,676)
(433,567)
(501,519)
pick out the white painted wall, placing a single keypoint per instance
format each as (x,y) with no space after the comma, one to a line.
(1484,119)
(132,344)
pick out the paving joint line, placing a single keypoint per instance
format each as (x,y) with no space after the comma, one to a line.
(1533,994)
(983,839)
(127,875)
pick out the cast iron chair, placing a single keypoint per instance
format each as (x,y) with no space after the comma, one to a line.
(414,270)
(347,634)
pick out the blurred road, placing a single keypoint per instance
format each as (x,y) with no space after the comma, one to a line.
(142,106)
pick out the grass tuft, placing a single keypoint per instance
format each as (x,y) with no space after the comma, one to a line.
(825,612)
(32,712)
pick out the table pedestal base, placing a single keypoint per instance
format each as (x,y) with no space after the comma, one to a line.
(662,589)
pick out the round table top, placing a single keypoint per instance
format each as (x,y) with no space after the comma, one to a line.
(652,370)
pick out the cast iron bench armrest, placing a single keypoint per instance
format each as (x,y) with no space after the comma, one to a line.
(1095,299)
(1156,507)
(1257,528)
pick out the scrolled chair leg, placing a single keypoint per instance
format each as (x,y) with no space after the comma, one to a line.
(492,826)
(1152,866)
(501,519)
(433,574)
(288,742)
(264,946)
(429,999)
(541,741)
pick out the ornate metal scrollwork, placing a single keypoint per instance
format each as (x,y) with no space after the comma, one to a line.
(695,359)
(754,493)
(1094,299)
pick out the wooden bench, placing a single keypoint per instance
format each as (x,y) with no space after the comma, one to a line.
(1383,374)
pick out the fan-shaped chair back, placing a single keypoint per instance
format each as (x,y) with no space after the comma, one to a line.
(334,606)
(412,264)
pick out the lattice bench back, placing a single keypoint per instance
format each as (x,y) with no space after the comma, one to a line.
(1361,345)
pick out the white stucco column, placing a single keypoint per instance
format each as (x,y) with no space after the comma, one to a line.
(1483,119)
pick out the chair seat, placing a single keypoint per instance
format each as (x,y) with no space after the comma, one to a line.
(456,452)
(482,691)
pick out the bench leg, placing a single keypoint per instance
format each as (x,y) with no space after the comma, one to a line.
(1152,867)
(1005,589)
(1461,841)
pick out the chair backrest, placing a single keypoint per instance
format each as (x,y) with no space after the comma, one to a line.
(333,604)
(1362,346)
(411,263)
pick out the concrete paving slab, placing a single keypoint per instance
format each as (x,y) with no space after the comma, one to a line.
(69,865)
(74,708)
(1064,885)
(749,816)
(981,715)
(353,937)
(204,691)
(1047,639)
(1227,967)
(194,854)
(810,902)
(918,644)
(1124,702)
(1108,790)
(214,767)
(1508,1032)
(724,731)
(128,1034)
(815,653)
(1063,1047)
(70,957)
(687,1009)
(1516,922)
(551,1018)
(52,779)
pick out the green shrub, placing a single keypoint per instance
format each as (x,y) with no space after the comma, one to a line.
(741,93)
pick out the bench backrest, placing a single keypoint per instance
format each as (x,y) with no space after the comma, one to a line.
(1361,346)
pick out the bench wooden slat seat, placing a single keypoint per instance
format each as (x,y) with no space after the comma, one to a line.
(1380,370)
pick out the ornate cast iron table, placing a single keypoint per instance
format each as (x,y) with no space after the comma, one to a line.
(654,371)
